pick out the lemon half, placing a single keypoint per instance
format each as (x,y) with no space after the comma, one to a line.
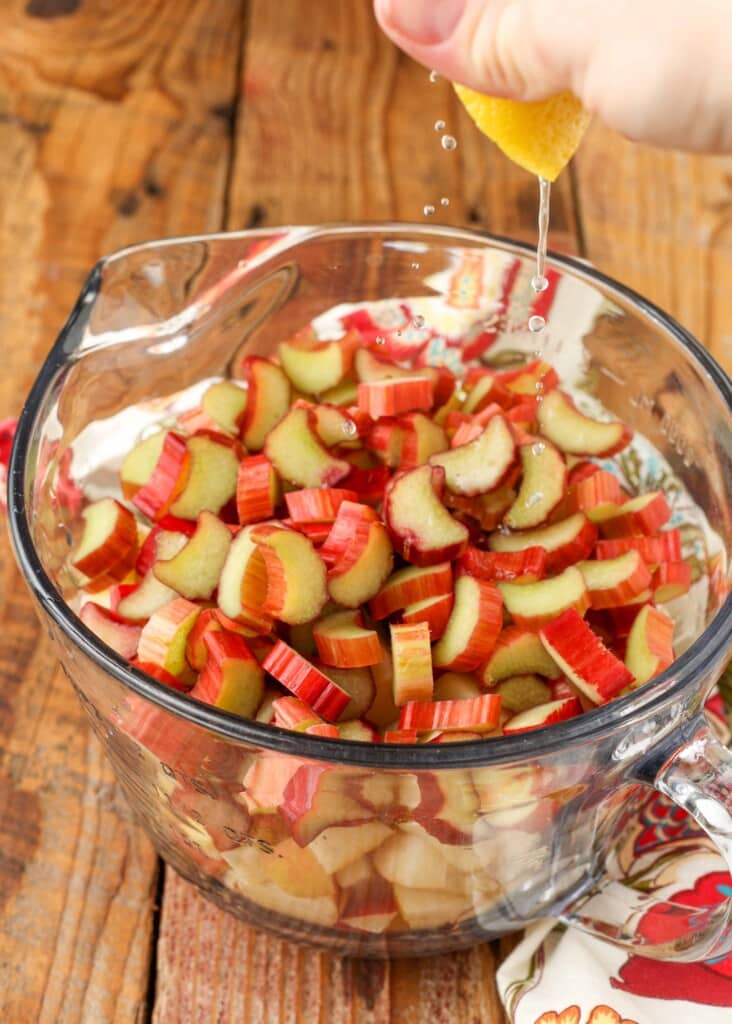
(541,137)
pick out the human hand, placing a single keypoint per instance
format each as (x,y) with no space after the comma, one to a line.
(655,70)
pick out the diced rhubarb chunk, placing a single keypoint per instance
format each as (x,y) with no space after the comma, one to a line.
(232,679)
(671,580)
(343,641)
(411,585)
(163,638)
(314,366)
(268,399)
(225,403)
(358,573)
(358,683)
(296,590)
(434,611)
(317,504)
(304,680)
(257,489)
(542,715)
(195,570)
(473,627)
(645,514)
(650,644)
(421,439)
(573,432)
(482,464)
(412,662)
(211,482)
(292,713)
(243,583)
(517,652)
(583,658)
(597,495)
(523,692)
(395,395)
(476,714)
(525,566)
(665,547)
(568,541)
(542,486)
(422,530)
(167,479)
(532,605)
(297,453)
(615,581)
(535,377)
(107,548)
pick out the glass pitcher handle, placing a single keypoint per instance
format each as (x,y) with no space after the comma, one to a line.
(696,776)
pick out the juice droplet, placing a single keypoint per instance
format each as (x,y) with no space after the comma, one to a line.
(350,429)
(539,284)
(434,77)
(533,499)
(379,340)
(428,209)
(536,324)
(414,266)
(444,201)
(440,126)
(538,447)
(448,142)
(418,321)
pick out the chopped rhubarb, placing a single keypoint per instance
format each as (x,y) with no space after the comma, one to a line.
(583,658)
(473,627)
(665,547)
(645,514)
(167,479)
(257,489)
(650,644)
(525,566)
(482,464)
(567,541)
(543,715)
(477,714)
(412,662)
(573,432)
(671,580)
(614,582)
(342,640)
(232,679)
(532,605)
(395,395)
(411,585)
(317,504)
(304,680)
(422,530)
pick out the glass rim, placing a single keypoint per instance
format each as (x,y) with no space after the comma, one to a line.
(707,649)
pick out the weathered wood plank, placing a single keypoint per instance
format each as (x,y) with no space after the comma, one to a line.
(114,127)
(662,223)
(214,968)
(336,124)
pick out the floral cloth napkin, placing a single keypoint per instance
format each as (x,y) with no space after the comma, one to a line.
(558,975)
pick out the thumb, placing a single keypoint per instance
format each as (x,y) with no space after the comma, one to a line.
(494,46)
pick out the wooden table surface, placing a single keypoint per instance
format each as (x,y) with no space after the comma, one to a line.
(122,121)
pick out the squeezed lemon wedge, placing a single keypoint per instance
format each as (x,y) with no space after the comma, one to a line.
(541,137)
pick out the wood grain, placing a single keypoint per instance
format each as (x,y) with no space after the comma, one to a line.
(661,222)
(114,128)
(214,968)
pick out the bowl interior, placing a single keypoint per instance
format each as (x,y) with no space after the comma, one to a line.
(157,323)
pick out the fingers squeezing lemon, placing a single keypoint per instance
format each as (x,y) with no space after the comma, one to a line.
(541,137)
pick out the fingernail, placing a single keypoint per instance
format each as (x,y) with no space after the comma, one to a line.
(426,22)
